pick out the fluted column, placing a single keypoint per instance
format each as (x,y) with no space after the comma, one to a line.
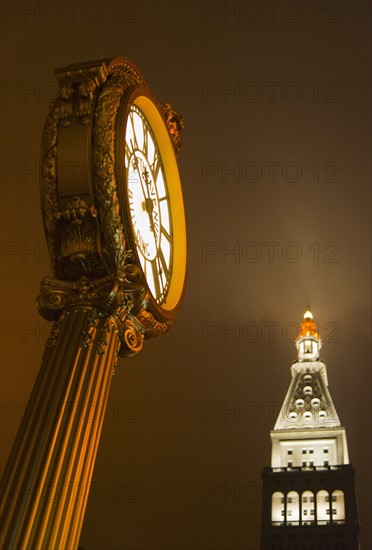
(46,481)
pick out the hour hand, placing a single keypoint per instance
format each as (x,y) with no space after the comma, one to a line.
(149,207)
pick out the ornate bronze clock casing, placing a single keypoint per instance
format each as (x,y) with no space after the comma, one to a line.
(92,164)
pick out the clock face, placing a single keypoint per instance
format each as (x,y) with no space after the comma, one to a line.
(148,203)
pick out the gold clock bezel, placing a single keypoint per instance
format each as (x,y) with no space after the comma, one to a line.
(148,104)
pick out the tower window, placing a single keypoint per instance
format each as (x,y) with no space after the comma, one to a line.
(307,347)
(306,505)
(290,463)
(325,450)
(304,451)
(322,504)
(326,463)
(338,512)
(311,451)
(290,452)
(308,390)
(277,507)
(303,463)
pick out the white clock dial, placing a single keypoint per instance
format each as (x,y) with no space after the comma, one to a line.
(148,201)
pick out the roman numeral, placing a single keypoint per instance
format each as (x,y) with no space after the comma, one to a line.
(145,140)
(155,167)
(135,145)
(155,220)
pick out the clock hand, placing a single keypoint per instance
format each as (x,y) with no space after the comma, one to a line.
(148,202)
(139,173)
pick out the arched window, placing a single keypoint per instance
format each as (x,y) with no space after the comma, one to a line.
(338,506)
(308,346)
(277,507)
(323,507)
(293,508)
(307,508)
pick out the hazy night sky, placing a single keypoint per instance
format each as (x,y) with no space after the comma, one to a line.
(282,95)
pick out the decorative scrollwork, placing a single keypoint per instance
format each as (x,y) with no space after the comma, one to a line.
(131,340)
(175,124)
(51,301)
(151,326)
(108,298)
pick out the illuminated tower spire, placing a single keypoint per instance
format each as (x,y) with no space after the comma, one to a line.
(308,403)
(308,341)
(309,489)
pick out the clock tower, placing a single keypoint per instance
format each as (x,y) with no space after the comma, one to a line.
(309,497)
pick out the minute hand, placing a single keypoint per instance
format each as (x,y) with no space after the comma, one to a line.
(149,203)
(140,176)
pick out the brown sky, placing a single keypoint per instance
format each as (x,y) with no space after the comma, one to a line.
(282,95)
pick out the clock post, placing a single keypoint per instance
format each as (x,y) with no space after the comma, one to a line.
(98,299)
